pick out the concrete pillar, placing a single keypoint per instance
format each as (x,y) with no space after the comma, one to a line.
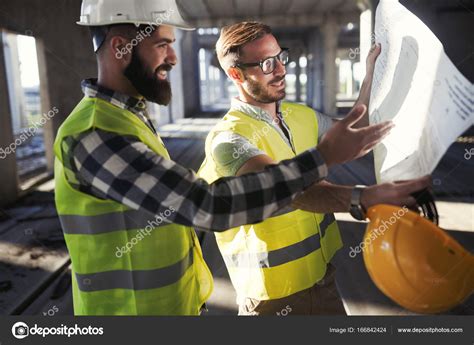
(190,64)
(8,169)
(15,88)
(315,70)
(175,110)
(49,131)
(206,94)
(330,32)
(177,104)
(298,81)
(223,85)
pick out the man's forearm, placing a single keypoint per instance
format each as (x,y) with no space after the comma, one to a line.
(364,98)
(364,94)
(366,88)
(324,198)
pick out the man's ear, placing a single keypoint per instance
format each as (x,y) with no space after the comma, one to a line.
(236,74)
(119,46)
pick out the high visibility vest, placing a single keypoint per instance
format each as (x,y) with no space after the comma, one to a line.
(283,254)
(125,262)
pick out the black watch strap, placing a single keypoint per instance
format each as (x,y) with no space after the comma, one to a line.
(357,210)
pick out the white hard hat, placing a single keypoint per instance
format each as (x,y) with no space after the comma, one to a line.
(138,12)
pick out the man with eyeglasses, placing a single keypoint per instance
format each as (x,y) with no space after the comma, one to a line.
(281,266)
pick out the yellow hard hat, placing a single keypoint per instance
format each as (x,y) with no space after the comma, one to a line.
(414,262)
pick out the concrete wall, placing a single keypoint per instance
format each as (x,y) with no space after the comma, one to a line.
(8,169)
(16,96)
(190,70)
(65,56)
(315,70)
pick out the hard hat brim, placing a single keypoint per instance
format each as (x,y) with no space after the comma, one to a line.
(181,26)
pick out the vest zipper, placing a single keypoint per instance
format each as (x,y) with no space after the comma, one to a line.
(288,130)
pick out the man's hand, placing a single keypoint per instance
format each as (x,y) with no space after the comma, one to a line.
(344,143)
(370,63)
(396,193)
(366,88)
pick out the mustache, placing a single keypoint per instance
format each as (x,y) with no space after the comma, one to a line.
(164,67)
(277,80)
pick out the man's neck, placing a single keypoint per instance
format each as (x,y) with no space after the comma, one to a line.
(118,84)
(270,108)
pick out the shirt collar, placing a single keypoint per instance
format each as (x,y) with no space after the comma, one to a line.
(259,114)
(93,90)
(253,110)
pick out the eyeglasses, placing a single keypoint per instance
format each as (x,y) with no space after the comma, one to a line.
(269,64)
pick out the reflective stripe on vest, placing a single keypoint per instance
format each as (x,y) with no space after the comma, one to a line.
(276,257)
(136,280)
(283,255)
(109,222)
(327,221)
(286,253)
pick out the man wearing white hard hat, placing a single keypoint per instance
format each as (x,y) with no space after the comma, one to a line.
(126,209)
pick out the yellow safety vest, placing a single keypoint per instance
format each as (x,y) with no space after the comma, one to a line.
(160,272)
(284,254)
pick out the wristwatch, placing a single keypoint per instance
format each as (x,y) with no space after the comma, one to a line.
(357,210)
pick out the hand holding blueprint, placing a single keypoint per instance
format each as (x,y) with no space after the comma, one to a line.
(417,87)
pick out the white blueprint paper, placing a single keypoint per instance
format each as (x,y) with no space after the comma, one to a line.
(418,88)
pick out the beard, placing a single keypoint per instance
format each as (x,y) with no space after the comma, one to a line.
(262,94)
(147,83)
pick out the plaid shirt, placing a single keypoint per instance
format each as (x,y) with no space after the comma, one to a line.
(122,168)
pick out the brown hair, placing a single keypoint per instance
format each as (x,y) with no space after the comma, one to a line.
(234,37)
